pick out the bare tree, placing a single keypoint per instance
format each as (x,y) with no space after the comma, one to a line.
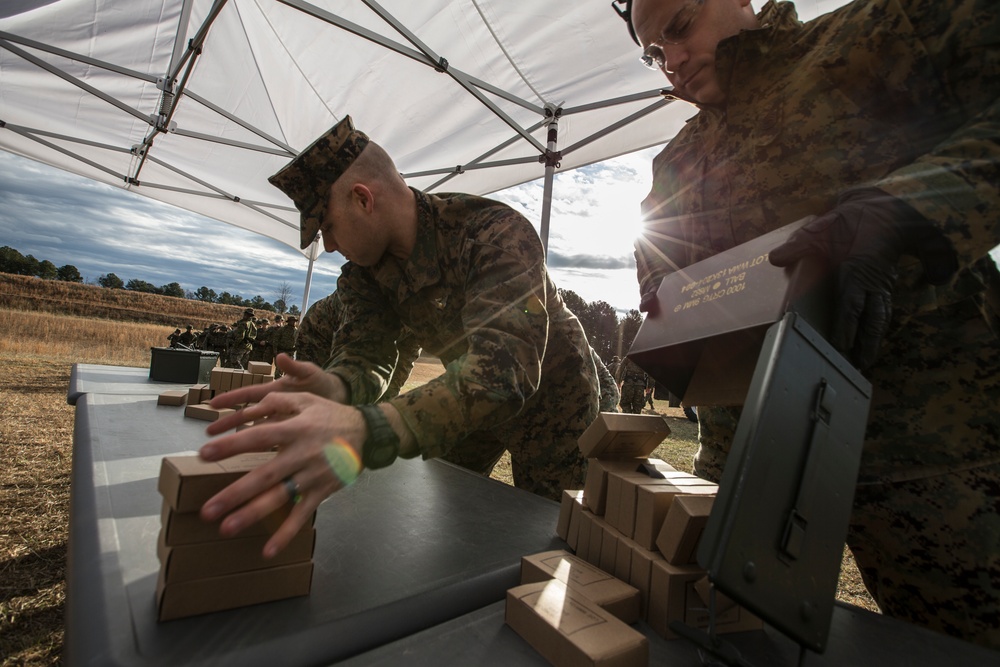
(282,295)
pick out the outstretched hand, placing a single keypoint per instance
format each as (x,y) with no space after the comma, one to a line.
(315,439)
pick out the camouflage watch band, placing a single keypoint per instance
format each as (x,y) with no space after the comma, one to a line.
(382,444)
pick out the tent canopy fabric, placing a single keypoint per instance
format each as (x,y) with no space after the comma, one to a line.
(196,102)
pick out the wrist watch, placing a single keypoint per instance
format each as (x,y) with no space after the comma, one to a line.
(382,444)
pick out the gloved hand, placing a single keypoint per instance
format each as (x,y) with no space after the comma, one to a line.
(863,239)
(648,303)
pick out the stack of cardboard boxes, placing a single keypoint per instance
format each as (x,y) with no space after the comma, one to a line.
(221,380)
(637,520)
(200,571)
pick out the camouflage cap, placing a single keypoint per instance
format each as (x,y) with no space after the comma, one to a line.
(307,178)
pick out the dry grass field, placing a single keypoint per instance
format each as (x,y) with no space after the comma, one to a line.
(37,350)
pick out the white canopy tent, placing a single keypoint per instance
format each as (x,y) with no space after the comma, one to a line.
(196,102)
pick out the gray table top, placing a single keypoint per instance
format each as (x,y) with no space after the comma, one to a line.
(858,638)
(120,380)
(405,548)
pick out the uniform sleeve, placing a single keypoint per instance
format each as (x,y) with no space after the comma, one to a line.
(955,49)
(364,352)
(506,327)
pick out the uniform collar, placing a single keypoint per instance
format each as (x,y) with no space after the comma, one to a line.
(421,268)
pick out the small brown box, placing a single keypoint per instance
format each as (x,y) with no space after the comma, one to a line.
(595,489)
(597,528)
(641,574)
(682,528)
(573,533)
(628,510)
(674,596)
(177,397)
(186,482)
(189,528)
(215,379)
(206,412)
(238,554)
(609,549)
(583,538)
(260,368)
(623,558)
(201,596)
(194,394)
(569,630)
(611,594)
(616,482)
(615,435)
(652,504)
(569,498)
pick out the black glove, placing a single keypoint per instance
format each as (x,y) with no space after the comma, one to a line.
(648,303)
(863,238)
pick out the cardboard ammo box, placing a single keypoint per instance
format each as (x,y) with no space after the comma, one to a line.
(260,368)
(704,341)
(609,548)
(617,435)
(597,528)
(674,596)
(569,499)
(629,502)
(652,502)
(169,364)
(569,630)
(623,558)
(583,535)
(595,488)
(611,594)
(186,482)
(682,528)
(231,591)
(206,412)
(172,398)
(237,554)
(188,527)
(641,573)
(199,393)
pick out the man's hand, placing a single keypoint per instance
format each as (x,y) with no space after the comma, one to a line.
(863,239)
(648,303)
(302,427)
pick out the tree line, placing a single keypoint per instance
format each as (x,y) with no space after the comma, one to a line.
(12,261)
(609,335)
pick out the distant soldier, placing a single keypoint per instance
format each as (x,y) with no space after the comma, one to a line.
(174,337)
(187,338)
(633,386)
(243,336)
(262,344)
(283,340)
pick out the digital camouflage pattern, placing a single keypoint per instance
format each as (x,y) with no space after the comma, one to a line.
(308,177)
(477,295)
(283,339)
(901,95)
(633,391)
(610,395)
(316,337)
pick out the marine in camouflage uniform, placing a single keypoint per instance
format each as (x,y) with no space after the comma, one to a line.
(633,387)
(282,340)
(900,95)
(241,341)
(261,349)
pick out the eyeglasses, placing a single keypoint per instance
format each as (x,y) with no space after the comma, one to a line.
(674,33)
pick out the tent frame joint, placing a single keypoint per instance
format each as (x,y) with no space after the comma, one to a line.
(551,158)
(442,65)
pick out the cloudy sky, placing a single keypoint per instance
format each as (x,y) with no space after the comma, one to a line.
(100,229)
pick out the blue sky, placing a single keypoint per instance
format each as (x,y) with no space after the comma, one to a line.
(100,229)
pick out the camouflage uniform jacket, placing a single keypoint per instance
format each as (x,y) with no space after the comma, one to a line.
(283,339)
(897,94)
(243,334)
(476,293)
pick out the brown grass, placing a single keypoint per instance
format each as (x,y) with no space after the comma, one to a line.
(37,350)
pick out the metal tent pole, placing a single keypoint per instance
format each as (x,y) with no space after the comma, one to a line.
(313,252)
(551,161)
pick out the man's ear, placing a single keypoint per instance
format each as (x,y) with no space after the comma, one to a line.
(362,196)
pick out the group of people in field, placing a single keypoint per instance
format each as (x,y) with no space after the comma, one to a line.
(249,339)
